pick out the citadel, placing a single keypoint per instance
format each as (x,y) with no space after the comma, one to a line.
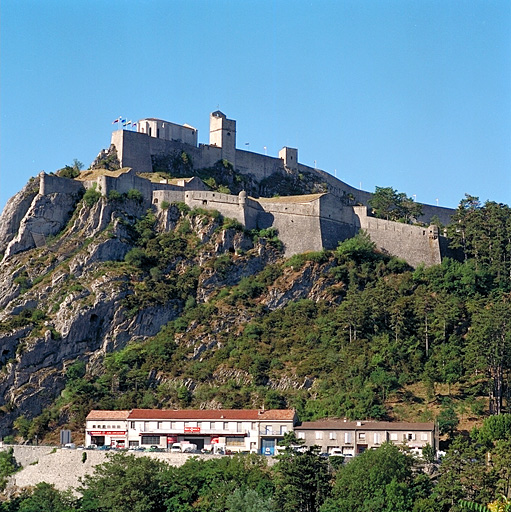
(304,222)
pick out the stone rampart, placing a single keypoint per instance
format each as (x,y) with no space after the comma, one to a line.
(171,196)
(228,205)
(411,243)
(51,184)
(135,149)
(260,166)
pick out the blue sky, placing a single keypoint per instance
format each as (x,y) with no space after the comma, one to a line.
(410,94)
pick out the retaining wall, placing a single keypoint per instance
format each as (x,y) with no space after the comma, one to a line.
(63,468)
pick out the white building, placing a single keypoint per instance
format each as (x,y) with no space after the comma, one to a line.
(107,428)
(235,429)
(168,131)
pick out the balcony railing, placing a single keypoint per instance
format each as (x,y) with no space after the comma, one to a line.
(271,433)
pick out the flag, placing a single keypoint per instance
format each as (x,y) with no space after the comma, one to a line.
(130,122)
(116,121)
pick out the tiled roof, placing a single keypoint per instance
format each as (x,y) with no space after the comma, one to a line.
(107,415)
(364,425)
(308,198)
(213,414)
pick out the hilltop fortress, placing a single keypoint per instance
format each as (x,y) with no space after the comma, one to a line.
(305,223)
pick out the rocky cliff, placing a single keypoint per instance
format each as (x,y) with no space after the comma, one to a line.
(83,287)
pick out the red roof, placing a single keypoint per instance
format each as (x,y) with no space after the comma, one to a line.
(214,414)
(107,415)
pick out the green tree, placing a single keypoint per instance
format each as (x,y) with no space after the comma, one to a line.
(302,481)
(248,500)
(125,483)
(483,233)
(464,475)
(8,466)
(390,204)
(447,420)
(489,347)
(379,480)
(45,498)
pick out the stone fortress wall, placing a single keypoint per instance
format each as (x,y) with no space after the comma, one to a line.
(417,244)
(135,149)
(304,223)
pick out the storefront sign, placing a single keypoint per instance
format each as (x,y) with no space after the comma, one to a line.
(107,433)
(192,430)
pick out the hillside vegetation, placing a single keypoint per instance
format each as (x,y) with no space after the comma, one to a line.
(189,310)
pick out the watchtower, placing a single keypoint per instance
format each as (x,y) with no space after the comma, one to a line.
(290,157)
(222,134)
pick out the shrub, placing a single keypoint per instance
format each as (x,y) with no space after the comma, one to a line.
(135,195)
(182,207)
(113,195)
(91,196)
(135,257)
(164,205)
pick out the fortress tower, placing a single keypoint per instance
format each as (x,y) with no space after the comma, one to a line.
(222,133)
(290,157)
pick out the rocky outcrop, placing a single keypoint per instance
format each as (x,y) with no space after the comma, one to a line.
(46,216)
(14,211)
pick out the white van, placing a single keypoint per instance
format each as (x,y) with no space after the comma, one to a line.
(183,448)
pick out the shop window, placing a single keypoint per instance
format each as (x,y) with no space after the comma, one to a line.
(150,439)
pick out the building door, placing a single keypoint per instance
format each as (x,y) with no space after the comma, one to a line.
(267,446)
(361,448)
(196,441)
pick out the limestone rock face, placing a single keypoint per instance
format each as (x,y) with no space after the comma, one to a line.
(46,216)
(14,211)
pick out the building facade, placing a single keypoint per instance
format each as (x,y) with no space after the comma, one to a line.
(249,430)
(108,428)
(235,430)
(354,437)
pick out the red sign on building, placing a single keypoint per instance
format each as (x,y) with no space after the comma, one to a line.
(107,433)
(192,430)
